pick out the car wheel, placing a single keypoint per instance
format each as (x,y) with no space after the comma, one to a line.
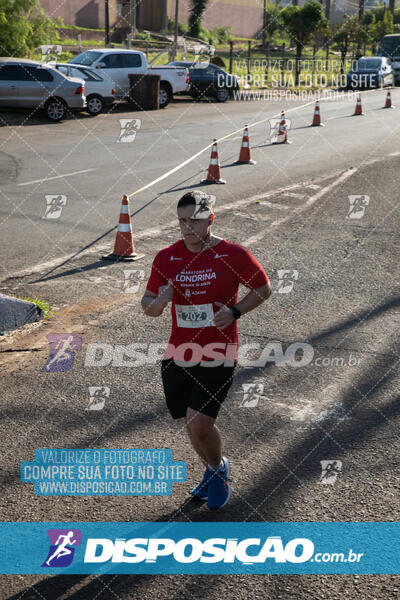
(94,104)
(165,95)
(55,109)
(222,95)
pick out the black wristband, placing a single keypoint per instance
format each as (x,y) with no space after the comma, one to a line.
(236,313)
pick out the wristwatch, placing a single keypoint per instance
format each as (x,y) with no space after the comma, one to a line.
(236,312)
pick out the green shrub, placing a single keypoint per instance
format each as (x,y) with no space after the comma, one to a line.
(23,27)
(46,308)
(142,35)
(223,34)
(182,27)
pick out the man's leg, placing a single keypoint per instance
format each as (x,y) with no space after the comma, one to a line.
(195,444)
(205,437)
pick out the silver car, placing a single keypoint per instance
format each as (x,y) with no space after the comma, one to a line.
(30,84)
(99,93)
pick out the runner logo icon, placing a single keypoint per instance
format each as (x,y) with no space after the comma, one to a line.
(329,471)
(62,351)
(286,280)
(62,547)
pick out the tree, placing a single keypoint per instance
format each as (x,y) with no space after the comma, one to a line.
(380,28)
(345,33)
(196,15)
(301,23)
(379,13)
(23,27)
(272,24)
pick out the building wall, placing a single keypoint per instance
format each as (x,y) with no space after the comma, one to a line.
(150,15)
(245,21)
(83,13)
(243,16)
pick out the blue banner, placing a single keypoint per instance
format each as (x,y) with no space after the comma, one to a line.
(200,548)
(103,472)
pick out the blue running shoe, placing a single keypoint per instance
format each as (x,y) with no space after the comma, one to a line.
(201,490)
(219,488)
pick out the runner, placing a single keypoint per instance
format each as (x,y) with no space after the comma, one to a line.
(200,275)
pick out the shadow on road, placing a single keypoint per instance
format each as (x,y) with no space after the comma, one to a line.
(296,464)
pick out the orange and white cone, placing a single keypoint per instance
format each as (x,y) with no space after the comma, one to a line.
(124,247)
(388,103)
(282,137)
(317,116)
(244,156)
(359,110)
(214,170)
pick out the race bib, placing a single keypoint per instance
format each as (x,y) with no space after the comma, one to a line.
(194,316)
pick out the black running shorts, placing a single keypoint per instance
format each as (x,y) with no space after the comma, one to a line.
(201,388)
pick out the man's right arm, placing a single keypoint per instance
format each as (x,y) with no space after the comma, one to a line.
(153,304)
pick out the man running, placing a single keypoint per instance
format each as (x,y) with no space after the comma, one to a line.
(200,274)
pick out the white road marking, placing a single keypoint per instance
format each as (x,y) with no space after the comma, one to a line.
(294,195)
(299,209)
(273,205)
(155,232)
(371,161)
(56,177)
(99,248)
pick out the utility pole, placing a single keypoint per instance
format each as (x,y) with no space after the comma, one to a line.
(132,14)
(360,11)
(391,6)
(107,23)
(176,27)
(264,34)
(328,9)
(360,20)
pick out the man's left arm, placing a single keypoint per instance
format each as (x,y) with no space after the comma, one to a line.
(250,274)
(254,298)
(224,317)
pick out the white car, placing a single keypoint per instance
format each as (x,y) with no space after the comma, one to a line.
(99,92)
(116,65)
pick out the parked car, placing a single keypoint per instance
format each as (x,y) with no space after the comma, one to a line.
(116,66)
(99,92)
(371,71)
(207,79)
(30,84)
(389,47)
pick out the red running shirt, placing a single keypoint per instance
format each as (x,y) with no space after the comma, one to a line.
(199,280)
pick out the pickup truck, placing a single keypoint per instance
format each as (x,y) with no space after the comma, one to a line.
(116,65)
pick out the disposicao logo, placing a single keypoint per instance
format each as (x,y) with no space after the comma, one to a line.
(62,547)
(190,550)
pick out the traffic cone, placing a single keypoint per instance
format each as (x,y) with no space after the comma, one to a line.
(214,171)
(358,110)
(317,116)
(124,247)
(244,156)
(282,137)
(388,103)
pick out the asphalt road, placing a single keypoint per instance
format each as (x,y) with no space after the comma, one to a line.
(91,170)
(294,213)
